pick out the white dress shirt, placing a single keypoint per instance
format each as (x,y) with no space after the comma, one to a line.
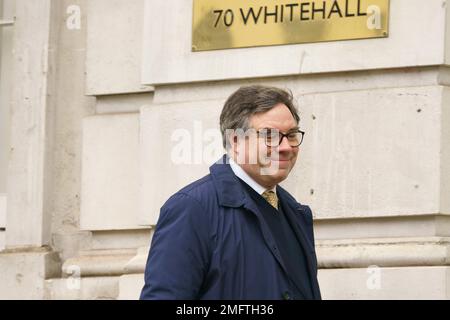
(241,174)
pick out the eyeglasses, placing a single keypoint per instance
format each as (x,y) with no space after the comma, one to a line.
(273,137)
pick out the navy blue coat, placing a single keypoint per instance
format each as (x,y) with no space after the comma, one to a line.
(211,242)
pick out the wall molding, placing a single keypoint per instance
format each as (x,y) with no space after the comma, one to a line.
(331,254)
(387,252)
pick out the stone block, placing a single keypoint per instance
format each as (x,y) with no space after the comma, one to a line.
(447,34)
(370,152)
(6,58)
(120,239)
(445,152)
(31,142)
(402,283)
(178,144)
(110,176)
(130,286)
(114,47)
(383,252)
(22,273)
(90,288)
(382,227)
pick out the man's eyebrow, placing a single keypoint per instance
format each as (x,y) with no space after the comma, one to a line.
(289,130)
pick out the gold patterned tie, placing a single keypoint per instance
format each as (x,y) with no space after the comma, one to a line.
(271,198)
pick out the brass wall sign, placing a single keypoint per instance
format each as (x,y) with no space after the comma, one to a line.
(223,24)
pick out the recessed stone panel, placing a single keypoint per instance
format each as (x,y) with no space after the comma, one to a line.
(406,283)
(370,153)
(110,177)
(114,47)
(178,144)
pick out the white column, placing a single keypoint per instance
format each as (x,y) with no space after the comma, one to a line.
(31,139)
(6,33)
(27,261)
(2,220)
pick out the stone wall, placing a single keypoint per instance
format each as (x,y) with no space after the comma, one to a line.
(102,88)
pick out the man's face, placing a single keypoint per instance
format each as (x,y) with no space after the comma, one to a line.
(270,165)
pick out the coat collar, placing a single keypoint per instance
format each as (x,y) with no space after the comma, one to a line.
(229,190)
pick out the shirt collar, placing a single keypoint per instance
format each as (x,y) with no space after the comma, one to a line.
(241,174)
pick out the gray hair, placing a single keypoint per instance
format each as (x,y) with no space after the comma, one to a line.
(250,100)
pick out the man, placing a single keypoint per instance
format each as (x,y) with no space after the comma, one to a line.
(236,234)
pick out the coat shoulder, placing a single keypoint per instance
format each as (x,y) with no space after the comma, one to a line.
(202,191)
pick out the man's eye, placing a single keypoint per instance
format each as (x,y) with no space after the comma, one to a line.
(272,133)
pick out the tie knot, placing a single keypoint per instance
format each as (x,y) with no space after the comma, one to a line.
(271,198)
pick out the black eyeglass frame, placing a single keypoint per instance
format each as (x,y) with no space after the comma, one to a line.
(282,135)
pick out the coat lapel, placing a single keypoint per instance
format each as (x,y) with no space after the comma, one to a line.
(251,206)
(291,210)
(231,193)
(271,243)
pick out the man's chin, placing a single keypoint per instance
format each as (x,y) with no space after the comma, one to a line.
(275,166)
(282,174)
